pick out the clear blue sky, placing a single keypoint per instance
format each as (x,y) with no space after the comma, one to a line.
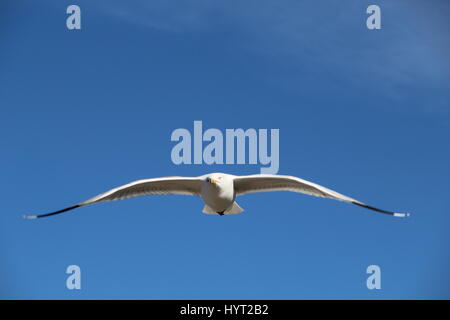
(363,112)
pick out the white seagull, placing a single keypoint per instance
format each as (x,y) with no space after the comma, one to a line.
(218,191)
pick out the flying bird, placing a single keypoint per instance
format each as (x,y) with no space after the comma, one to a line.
(218,191)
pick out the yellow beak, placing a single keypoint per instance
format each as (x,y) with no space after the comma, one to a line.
(213,181)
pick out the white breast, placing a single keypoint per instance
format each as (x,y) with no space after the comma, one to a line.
(218,197)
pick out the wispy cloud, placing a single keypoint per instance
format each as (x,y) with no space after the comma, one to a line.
(409,53)
(174,16)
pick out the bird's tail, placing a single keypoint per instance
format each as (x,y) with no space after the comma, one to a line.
(208,210)
(234,209)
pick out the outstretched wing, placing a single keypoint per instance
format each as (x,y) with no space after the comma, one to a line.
(165,185)
(268,183)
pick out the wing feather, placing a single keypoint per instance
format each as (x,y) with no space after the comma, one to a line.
(268,183)
(155,186)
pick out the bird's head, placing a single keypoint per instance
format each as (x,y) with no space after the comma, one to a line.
(218,179)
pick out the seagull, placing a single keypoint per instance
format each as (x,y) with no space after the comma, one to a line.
(218,191)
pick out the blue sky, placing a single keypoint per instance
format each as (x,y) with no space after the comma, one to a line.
(365,113)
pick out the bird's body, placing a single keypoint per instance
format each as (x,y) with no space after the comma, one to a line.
(218,191)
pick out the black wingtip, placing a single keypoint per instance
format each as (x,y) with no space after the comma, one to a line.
(395,214)
(51,213)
